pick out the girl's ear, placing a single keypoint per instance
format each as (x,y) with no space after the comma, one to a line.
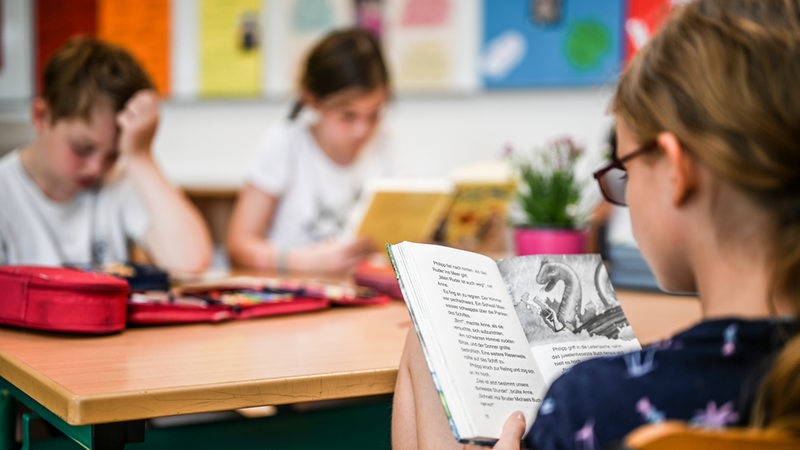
(40,114)
(308,99)
(682,168)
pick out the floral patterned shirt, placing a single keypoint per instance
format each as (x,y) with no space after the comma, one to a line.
(696,376)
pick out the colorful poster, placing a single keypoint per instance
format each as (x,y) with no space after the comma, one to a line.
(643,19)
(230,48)
(55,22)
(295,25)
(529,43)
(369,16)
(429,44)
(143,27)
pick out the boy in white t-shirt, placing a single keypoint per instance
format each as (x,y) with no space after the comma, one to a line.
(64,198)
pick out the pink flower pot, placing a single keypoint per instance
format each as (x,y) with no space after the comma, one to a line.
(549,241)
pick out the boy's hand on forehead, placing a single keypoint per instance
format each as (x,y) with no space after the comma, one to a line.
(137,122)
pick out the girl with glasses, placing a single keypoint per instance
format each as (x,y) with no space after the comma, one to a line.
(708,160)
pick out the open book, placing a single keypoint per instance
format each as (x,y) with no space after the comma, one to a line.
(495,334)
(398,209)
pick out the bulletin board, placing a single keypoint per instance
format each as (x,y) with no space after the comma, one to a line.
(253,48)
(530,43)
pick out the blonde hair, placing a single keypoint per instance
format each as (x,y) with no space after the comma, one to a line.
(776,405)
(723,76)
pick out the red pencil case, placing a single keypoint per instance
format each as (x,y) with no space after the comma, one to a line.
(62,299)
(232,299)
(162,308)
(380,278)
(241,298)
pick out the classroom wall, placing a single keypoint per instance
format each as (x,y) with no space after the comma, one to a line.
(211,142)
(208,143)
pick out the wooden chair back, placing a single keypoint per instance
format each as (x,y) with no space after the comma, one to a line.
(673,435)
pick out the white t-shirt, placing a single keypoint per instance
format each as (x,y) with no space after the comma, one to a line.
(316,194)
(39,231)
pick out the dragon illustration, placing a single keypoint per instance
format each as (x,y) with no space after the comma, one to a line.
(568,313)
(550,273)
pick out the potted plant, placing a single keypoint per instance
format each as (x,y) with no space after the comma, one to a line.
(547,217)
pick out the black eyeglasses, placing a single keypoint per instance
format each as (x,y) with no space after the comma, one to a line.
(613,177)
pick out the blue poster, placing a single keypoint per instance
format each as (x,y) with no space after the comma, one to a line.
(549,43)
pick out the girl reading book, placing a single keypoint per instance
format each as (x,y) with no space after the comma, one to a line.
(707,119)
(309,170)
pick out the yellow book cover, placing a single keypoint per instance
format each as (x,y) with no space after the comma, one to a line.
(476,219)
(396,210)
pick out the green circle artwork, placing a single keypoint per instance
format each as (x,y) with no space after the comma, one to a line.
(586,43)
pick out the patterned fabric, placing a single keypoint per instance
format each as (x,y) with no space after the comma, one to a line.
(696,376)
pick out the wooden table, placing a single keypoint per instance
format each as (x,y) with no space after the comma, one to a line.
(109,384)
(159,371)
(656,316)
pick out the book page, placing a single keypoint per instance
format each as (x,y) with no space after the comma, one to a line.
(567,308)
(475,348)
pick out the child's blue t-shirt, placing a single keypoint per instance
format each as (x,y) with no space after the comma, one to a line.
(697,376)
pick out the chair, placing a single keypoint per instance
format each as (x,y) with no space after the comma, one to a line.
(672,435)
